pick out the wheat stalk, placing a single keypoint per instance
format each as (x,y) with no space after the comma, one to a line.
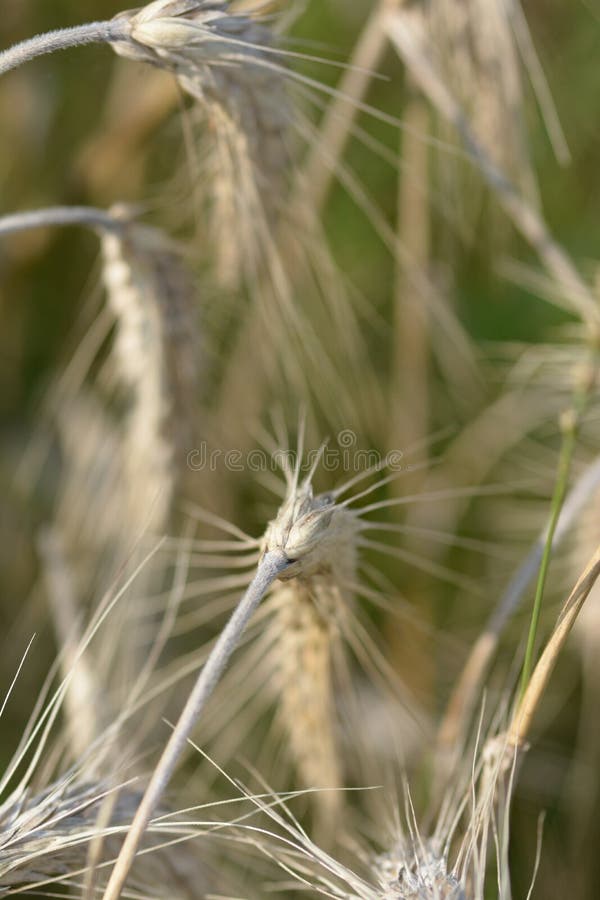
(270,567)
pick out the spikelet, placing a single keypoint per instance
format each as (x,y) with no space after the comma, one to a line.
(226,57)
(310,658)
(156,362)
(46,836)
(417,872)
(221,58)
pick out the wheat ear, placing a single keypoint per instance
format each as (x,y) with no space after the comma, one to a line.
(311,601)
(464,694)
(151,298)
(82,698)
(224,60)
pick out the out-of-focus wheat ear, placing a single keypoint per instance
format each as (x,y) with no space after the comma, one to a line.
(68,833)
(479,57)
(409,35)
(229,62)
(222,58)
(156,360)
(82,704)
(417,870)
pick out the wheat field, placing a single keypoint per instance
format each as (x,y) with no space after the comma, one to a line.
(300,450)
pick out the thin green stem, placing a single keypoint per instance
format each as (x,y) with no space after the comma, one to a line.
(61,39)
(570,424)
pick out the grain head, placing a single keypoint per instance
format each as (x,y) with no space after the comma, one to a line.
(224,60)
(155,357)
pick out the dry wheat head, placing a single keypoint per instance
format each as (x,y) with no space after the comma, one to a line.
(156,361)
(223,59)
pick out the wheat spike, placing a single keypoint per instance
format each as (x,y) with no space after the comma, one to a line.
(310,655)
(155,358)
(222,59)
(417,872)
(473,46)
(69,832)
(309,601)
(226,57)
(45,836)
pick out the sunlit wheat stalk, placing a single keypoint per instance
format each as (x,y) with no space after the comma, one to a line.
(465,691)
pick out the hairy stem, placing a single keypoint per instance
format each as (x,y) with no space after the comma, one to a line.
(271,565)
(61,39)
(59,216)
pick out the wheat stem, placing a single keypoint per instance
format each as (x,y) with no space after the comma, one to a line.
(570,424)
(59,216)
(464,693)
(61,39)
(271,565)
(528,703)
